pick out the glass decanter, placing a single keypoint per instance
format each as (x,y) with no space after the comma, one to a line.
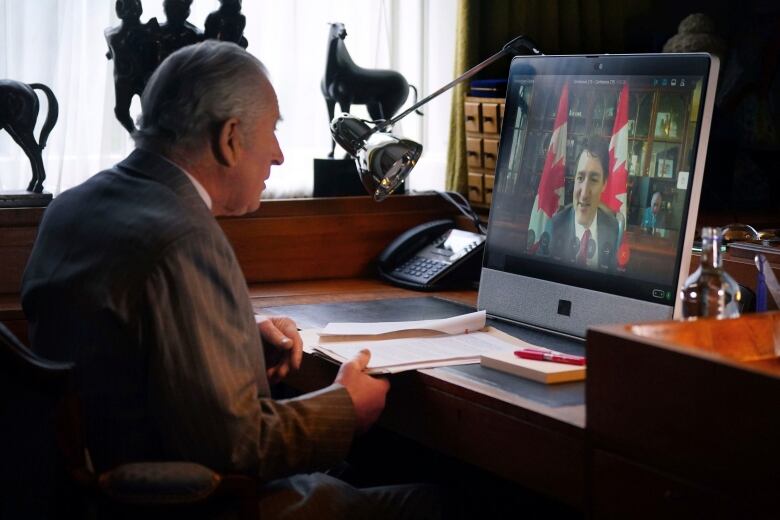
(710,291)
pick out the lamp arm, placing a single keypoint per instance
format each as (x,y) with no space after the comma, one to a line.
(515,45)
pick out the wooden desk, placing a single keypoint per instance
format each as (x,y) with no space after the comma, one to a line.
(511,427)
(529,433)
(645,450)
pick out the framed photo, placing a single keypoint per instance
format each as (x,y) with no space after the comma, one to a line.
(665,168)
(682,180)
(662,121)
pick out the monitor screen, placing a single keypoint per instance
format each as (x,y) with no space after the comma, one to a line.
(597,180)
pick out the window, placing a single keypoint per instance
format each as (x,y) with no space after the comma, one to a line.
(60,43)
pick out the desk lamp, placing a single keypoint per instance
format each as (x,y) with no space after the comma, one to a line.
(384,160)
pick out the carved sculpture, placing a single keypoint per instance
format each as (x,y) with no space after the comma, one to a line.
(134,50)
(18,113)
(176,32)
(137,48)
(382,91)
(227,23)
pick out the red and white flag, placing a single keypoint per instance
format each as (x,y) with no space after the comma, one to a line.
(549,196)
(614,195)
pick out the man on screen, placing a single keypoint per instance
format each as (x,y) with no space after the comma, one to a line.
(583,232)
(652,218)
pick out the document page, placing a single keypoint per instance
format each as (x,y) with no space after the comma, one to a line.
(409,353)
(455,325)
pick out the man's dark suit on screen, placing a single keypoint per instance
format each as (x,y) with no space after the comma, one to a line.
(564,244)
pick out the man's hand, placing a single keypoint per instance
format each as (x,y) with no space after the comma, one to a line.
(367,393)
(282,346)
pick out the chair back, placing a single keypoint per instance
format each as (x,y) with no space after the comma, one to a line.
(44,471)
(36,418)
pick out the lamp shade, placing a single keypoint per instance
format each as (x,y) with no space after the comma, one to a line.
(383,160)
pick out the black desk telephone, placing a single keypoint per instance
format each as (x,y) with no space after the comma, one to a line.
(433,255)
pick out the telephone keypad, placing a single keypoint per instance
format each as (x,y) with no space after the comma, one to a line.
(434,260)
(420,269)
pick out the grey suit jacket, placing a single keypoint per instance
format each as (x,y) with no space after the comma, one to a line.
(132,278)
(564,244)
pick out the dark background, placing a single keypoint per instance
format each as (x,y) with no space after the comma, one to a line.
(742,172)
(743,159)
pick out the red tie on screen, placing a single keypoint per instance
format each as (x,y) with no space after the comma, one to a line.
(582,254)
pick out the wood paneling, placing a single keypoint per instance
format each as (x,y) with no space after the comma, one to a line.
(327,238)
(294,239)
(18,228)
(326,291)
(702,418)
(622,489)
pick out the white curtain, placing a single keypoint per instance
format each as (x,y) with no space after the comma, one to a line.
(60,43)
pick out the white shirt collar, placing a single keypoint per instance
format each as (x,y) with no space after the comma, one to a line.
(200,189)
(198,186)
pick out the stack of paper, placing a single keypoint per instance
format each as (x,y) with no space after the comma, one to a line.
(410,345)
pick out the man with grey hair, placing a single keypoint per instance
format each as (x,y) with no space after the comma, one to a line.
(652,218)
(132,278)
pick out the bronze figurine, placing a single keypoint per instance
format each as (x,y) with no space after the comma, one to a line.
(133,48)
(176,32)
(138,48)
(18,113)
(227,23)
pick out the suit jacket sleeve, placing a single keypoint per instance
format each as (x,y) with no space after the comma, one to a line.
(207,373)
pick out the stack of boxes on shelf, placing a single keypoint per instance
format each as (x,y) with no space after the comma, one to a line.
(483,125)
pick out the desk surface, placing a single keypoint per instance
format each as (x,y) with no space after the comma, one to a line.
(563,402)
(522,430)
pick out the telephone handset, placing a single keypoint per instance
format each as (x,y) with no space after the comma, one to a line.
(431,256)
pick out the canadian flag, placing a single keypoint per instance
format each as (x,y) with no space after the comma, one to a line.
(549,196)
(614,194)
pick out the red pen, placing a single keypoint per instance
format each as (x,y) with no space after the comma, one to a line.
(547,355)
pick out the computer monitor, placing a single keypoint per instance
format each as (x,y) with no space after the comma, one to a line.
(596,188)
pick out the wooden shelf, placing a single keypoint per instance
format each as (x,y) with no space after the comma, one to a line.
(484,117)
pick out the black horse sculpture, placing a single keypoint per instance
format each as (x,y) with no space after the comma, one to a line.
(382,91)
(18,113)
